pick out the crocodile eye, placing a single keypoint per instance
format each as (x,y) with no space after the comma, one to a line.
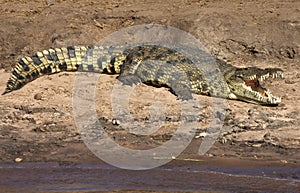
(239,78)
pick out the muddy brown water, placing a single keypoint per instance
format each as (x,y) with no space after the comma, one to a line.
(56,177)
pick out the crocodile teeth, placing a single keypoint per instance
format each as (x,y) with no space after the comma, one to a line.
(269,94)
(275,100)
(270,98)
(278,74)
(253,77)
(274,75)
(264,77)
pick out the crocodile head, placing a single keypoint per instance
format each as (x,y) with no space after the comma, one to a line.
(244,84)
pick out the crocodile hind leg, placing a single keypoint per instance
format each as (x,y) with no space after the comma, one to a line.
(128,72)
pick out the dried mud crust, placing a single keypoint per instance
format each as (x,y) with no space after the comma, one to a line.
(37,121)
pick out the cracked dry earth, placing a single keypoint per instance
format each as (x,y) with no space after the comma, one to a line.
(37,123)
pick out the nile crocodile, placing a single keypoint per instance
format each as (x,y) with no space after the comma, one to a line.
(153,65)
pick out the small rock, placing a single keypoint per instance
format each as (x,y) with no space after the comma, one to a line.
(38,96)
(201,135)
(38,122)
(18,159)
(250,112)
(210,155)
(26,117)
(56,114)
(284,161)
(40,129)
(256,145)
(50,2)
(223,140)
(61,90)
(115,122)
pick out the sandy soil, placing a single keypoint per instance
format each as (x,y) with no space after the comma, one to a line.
(37,123)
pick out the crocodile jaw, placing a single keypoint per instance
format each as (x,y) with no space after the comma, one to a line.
(253,96)
(246,86)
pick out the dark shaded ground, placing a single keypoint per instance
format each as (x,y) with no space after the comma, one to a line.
(37,123)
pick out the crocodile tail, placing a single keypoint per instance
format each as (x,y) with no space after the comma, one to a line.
(72,58)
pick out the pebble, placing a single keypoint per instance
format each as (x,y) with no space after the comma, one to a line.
(61,90)
(27,117)
(250,112)
(38,96)
(256,145)
(56,114)
(115,122)
(210,155)
(18,159)
(38,122)
(284,161)
(50,2)
(223,140)
(201,135)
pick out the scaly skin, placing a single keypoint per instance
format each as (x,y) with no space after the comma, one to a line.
(153,65)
